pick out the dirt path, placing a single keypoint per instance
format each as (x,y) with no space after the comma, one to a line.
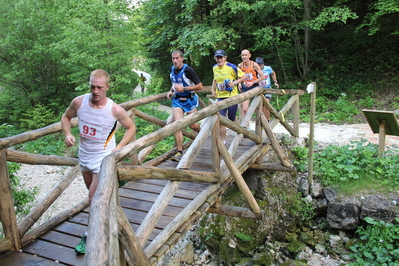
(340,134)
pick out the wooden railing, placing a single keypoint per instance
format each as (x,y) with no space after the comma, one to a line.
(111,236)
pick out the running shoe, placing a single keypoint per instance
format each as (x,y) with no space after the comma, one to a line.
(122,183)
(81,247)
(177,157)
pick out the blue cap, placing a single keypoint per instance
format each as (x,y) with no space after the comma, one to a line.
(220,53)
(259,60)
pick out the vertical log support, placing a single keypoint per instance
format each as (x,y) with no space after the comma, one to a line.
(295,109)
(312,90)
(134,158)
(7,212)
(258,127)
(381,138)
(215,135)
(102,241)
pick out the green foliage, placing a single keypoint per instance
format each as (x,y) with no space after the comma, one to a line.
(23,198)
(302,209)
(48,145)
(340,165)
(7,130)
(301,154)
(144,128)
(243,237)
(50,47)
(37,117)
(378,244)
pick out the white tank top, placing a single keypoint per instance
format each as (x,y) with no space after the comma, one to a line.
(97,127)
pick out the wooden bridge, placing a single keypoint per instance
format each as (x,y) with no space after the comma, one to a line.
(138,224)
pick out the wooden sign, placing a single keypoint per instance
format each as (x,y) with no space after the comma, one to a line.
(388,118)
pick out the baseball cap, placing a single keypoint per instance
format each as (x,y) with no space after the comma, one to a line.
(220,53)
(259,60)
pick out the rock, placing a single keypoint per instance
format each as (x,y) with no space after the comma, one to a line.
(303,187)
(379,209)
(343,215)
(295,247)
(316,189)
(320,206)
(330,193)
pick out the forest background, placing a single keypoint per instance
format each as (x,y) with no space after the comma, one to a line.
(349,48)
(49,47)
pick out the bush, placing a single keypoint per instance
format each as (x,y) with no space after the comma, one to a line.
(378,244)
(337,165)
(38,117)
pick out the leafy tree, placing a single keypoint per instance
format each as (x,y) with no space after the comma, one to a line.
(49,48)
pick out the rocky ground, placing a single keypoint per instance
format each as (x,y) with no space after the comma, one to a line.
(45,177)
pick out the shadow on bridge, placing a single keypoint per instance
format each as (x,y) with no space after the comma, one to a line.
(137,224)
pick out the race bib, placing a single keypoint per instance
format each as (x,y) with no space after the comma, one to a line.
(265,82)
(175,83)
(221,87)
(89,130)
(248,77)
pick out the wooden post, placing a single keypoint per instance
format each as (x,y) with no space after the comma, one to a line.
(7,213)
(312,91)
(381,138)
(295,109)
(215,135)
(134,158)
(98,249)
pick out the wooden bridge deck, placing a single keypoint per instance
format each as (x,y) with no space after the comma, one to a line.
(56,247)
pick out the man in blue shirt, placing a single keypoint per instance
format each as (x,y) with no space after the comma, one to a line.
(182,93)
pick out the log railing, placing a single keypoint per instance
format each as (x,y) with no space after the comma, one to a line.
(111,236)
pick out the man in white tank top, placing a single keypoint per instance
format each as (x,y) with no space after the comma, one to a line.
(97,123)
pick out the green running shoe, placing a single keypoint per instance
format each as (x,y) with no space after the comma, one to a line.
(122,183)
(81,247)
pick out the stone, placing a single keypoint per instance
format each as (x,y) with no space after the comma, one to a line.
(316,189)
(378,208)
(303,187)
(295,247)
(330,193)
(343,215)
(320,206)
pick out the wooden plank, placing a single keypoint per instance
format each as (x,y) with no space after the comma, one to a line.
(25,259)
(81,218)
(54,252)
(137,217)
(151,197)
(156,211)
(71,229)
(184,185)
(61,239)
(138,205)
(157,189)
